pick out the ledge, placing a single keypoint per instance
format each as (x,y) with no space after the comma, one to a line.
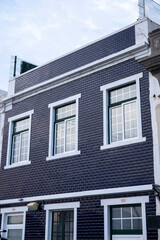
(18,164)
(123,143)
(63,155)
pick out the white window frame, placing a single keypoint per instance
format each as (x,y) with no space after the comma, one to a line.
(107,203)
(11,125)
(105,89)
(60,206)
(13,212)
(52,107)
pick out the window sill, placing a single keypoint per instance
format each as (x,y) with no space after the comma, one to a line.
(18,164)
(63,155)
(123,143)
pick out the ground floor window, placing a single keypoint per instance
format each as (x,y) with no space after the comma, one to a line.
(126,219)
(62,225)
(61,221)
(13,221)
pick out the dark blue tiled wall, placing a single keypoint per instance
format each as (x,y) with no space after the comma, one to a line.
(93,52)
(92,169)
(90,217)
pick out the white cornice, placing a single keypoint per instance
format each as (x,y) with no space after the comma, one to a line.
(95,66)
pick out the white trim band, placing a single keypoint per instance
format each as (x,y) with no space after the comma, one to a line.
(130,189)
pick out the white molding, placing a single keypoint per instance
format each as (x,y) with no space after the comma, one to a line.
(19,164)
(105,88)
(64,101)
(122,82)
(11,120)
(19,116)
(63,155)
(122,201)
(13,211)
(123,143)
(111,60)
(60,206)
(107,191)
(52,107)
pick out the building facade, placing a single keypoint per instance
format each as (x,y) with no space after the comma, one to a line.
(79,154)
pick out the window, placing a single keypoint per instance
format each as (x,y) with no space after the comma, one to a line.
(126,219)
(61,221)
(63,137)
(14,227)
(19,140)
(13,221)
(122,112)
(62,225)
(65,128)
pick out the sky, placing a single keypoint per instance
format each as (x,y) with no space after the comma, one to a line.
(39,31)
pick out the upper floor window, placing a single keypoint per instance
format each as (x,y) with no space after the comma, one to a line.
(122,112)
(65,128)
(19,140)
(63,137)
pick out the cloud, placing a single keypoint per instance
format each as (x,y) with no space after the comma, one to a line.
(40,30)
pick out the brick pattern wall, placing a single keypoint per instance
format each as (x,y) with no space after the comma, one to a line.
(93,52)
(93,169)
(90,217)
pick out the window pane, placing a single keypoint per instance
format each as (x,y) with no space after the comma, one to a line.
(116,224)
(21,125)
(62,225)
(137,211)
(126,212)
(130,120)
(137,224)
(59,141)
(70,135)
(116,124)
(65,111)
(15,219)
(126,224)
(123,93)
(116,212)
(24,146)
(14,234)
(15,149)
